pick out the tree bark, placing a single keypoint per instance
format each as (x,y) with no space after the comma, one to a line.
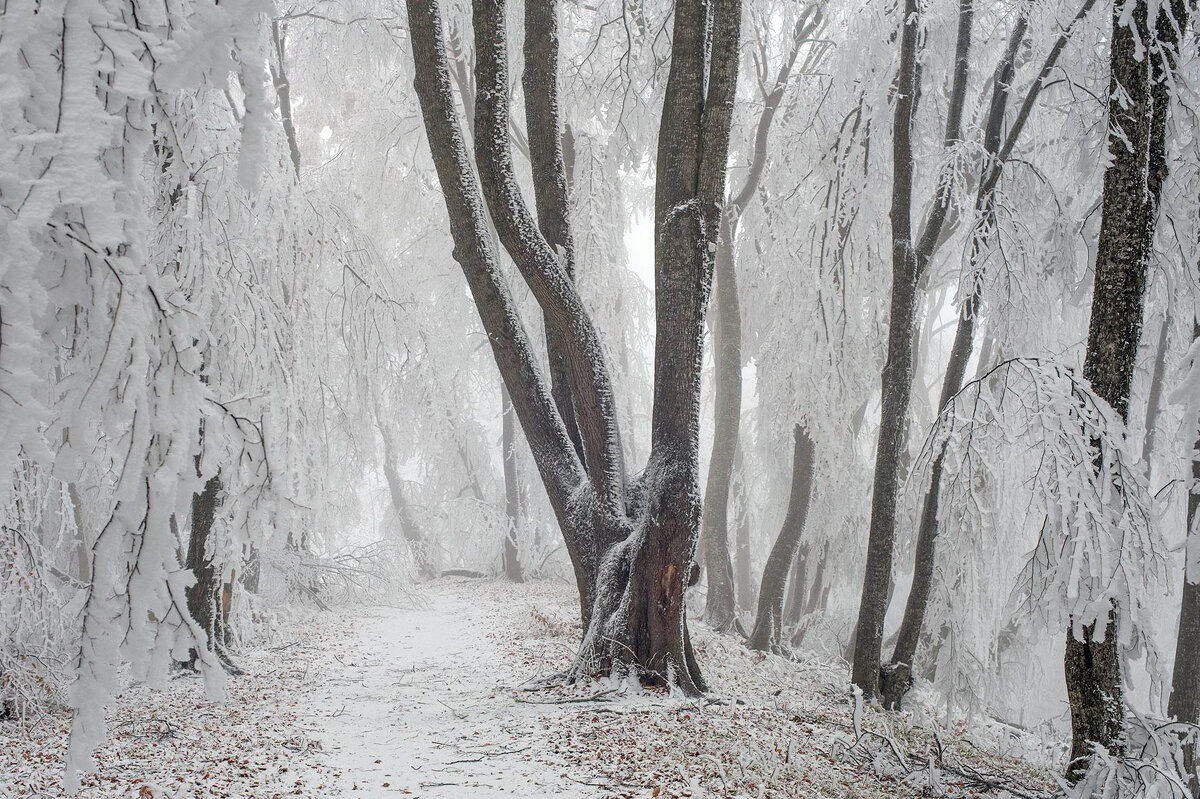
(1138,106)
(766,635)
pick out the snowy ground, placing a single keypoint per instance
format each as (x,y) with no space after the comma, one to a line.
(447,698)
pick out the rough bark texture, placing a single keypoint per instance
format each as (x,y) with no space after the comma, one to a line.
(768,622)
(283,90)
(630,543)
(1137,111)
(203,597)
(1184,704)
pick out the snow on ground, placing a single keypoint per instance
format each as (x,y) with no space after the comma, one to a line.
(454,696)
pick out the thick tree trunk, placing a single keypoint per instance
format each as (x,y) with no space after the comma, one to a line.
(512,491)
(766,635)
(1138,107)
(1184,704)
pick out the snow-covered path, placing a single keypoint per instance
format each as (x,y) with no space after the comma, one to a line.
(422,701)
(430,699)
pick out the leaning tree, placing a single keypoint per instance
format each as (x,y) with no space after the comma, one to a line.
(631,538)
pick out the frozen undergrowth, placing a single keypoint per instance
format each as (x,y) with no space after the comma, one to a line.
(771,727)
(458,698)
(177,742)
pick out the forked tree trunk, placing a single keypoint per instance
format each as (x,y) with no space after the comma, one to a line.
(896,676)
(1138,107)
(630,545)
(766,635)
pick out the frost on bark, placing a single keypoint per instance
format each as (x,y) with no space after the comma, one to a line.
(630,540)
(1138,105)
(766,635)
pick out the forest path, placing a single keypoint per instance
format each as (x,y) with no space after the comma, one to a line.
(421,702)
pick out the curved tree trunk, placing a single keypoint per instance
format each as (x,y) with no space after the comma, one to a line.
(768,623)
(630,545)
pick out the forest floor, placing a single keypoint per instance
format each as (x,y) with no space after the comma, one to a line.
(452,696)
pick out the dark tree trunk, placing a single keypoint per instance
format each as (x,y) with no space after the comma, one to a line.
(1154,396)
(204,596)
(1184,704)
(908,264)
(1138,107)
(766,635)
(512,490)
(630,548)
(896,676)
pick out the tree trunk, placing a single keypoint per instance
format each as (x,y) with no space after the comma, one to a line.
(896,379)
(1154,398)
(767,624)
(721,611)
(1184,704)
(1138,107)
(203,597)
(512,490)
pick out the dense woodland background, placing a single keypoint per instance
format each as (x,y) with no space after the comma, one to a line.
(866,329)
